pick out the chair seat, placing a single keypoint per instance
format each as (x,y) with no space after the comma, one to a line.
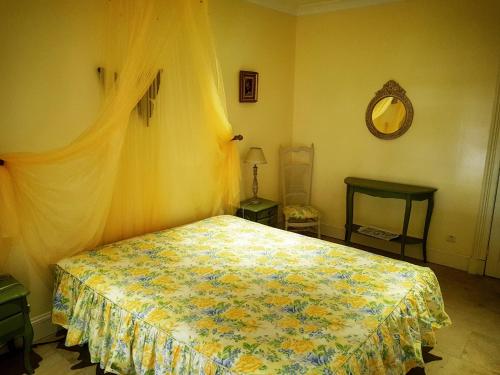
(298,212)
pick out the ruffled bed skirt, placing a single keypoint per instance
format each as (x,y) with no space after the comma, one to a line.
(123,343)
(395,347)
(119,341)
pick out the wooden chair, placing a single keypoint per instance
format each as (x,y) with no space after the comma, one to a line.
(296,164)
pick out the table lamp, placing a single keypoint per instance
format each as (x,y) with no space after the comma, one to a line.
(255,156)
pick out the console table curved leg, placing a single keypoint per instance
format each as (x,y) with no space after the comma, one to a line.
(349,214)
(405,226)
(430,207)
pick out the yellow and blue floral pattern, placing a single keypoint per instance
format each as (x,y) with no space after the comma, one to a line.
(299,212)
(228,296)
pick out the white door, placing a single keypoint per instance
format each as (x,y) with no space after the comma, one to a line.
(493,260)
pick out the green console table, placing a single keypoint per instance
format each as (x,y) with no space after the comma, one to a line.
(384,189)
(14,316)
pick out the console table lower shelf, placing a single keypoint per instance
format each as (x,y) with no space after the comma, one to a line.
(409,240)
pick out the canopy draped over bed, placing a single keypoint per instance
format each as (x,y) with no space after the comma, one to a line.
(120,177)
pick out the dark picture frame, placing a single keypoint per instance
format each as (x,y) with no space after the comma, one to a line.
(249,84)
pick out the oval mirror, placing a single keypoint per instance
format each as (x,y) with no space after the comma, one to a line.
(389,113)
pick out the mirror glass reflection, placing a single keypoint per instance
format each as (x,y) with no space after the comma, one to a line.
(388,115)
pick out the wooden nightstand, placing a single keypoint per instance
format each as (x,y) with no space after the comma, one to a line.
(264,212)
(14,316)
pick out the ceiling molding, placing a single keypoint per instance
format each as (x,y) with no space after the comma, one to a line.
(333,5)
(277,5)
(318,6)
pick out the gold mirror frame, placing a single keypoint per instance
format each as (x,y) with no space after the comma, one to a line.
(391,88)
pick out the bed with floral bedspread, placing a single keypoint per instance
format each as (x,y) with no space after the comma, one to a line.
(228,296)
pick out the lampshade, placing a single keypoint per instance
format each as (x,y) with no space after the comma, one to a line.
(255,156)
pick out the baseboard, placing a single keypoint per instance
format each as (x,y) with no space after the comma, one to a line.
(477,266)
(42,326)
(453,260)
(457,261)
(332,231)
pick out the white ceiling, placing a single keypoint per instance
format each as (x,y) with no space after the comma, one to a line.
(303,7)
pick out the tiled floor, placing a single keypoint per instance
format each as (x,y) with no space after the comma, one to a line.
(470,346)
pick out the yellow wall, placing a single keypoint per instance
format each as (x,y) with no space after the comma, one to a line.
(49,92)
(249,37)
(446,57)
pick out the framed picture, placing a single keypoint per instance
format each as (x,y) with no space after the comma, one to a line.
(248,86)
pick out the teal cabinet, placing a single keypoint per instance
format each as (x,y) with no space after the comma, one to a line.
(14,316)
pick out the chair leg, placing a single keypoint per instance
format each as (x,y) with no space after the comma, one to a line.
(319,231)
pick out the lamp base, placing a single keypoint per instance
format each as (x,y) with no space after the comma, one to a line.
(255,187)
(255,200)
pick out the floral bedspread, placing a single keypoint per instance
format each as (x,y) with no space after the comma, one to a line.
(228,296)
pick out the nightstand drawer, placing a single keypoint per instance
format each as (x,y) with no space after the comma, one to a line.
(10,308)
(11,324)
(263,211)
(249,215)
(271,221)
(266,213)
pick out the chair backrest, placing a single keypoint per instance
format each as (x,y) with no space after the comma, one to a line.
(296,165)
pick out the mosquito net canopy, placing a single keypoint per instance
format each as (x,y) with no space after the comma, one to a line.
(158,155)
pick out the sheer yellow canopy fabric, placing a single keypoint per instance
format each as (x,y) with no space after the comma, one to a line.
(122,178)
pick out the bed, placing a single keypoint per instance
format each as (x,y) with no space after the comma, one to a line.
(228,296)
